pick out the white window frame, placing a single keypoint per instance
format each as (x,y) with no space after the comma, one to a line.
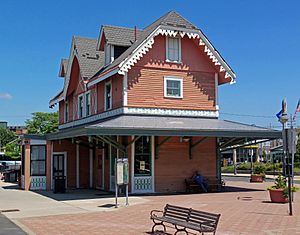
(78,106)
(105,93)
(66,117)
(86,100)
(172,78)
(167,50)
(109,53)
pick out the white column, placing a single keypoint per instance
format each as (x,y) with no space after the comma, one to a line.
(91,167)
(216,91)
(125,89)
(153,161)
(234,159)
(77,166)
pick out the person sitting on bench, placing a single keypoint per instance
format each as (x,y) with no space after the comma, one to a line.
(199,179)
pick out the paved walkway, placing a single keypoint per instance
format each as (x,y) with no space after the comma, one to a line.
(245,209)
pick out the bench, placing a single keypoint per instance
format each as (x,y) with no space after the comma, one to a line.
(213,185)
(185,218)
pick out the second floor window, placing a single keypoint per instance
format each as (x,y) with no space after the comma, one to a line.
(173,49)
(173,87)
(88,104)
(66,111)
(108,100)
(80,106)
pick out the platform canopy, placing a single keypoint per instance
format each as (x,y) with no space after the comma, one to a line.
(230,133)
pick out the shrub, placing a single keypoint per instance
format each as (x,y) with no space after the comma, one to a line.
(259,169)
(280,183)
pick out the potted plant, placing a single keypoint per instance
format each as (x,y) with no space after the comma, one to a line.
(279,191)
(258,175)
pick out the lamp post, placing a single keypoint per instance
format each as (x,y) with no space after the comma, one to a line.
(286,164)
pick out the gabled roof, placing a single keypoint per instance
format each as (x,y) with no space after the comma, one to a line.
(169,24)
(118,35)
(90,60)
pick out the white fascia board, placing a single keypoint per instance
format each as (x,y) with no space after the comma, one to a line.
(100,79)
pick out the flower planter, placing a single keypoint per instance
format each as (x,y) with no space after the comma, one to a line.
(256,179)
(276,195)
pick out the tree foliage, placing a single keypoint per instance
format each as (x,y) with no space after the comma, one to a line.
(6,136)
(42,123)
(13,150)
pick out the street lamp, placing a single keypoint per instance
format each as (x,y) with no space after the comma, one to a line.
(287,170)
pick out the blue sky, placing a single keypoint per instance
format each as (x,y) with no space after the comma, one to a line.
(259,39)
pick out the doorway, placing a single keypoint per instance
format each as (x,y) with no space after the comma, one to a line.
(59,163)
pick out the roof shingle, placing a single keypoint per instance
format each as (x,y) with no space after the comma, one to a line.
(120,36)
(90,60)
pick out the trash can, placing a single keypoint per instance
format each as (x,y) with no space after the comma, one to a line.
(59,184)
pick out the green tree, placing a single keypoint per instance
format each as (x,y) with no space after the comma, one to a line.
(13,150)
(42,123)
(6,136)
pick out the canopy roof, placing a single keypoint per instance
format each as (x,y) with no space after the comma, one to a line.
(168,126)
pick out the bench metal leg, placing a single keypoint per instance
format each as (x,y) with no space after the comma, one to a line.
(156,224)
(180,230)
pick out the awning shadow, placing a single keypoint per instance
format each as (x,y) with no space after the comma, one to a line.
(76,194)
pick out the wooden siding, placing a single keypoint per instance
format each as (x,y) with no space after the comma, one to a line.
(117,92)
(61,112)
(146,78)
(174,165)
(67,146)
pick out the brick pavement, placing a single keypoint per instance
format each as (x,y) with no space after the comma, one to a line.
(243,212)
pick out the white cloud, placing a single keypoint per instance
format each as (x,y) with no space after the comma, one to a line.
(5,96)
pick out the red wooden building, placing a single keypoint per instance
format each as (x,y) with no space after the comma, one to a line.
(149,95)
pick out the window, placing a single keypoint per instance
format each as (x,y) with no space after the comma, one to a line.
(173,87)
(108,99)
(66,111)
(38,160)
(88,104)
(173,49)
(109,53)
(142,158)
(80,106)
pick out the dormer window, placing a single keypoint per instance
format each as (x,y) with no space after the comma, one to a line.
(109,53)
(173,49)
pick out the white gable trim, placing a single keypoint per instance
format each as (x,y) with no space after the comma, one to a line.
(144,47)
